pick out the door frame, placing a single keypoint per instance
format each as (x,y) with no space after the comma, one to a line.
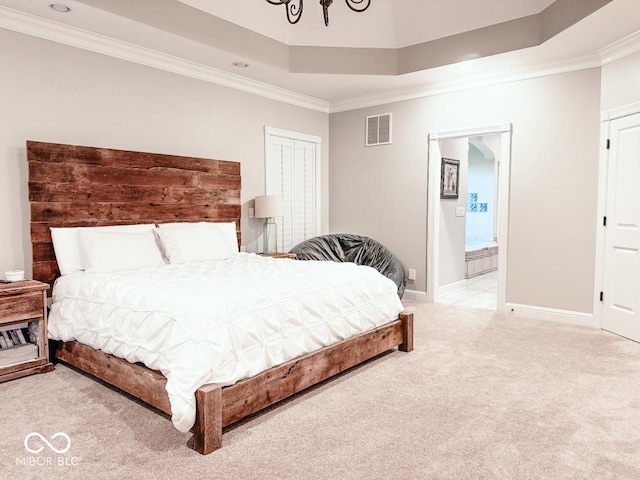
(603,171)
(505,131)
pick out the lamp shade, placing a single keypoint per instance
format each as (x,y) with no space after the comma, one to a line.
(269,206)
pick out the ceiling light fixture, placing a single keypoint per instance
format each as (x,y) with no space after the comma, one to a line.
(466,66)
(294,9)
(60,7)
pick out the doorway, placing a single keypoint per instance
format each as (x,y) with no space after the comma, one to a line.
(437,247)
(476,284)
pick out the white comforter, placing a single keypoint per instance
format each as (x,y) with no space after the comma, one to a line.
(219,322)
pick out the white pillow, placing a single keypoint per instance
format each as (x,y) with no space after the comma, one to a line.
(67,248)
(190,244)
(227,229)
(112,251)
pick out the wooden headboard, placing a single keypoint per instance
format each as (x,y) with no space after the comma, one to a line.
(74,186)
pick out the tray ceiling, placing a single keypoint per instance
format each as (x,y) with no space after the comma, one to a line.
(396,45)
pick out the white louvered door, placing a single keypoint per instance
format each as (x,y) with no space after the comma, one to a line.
(293,171)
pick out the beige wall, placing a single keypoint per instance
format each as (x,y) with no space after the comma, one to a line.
(452,228)
(381,191)
(621,82)
(54,93)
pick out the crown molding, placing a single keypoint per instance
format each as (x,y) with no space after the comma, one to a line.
(57,32)
(530,71)
(615,51)
(620,112)
(620,48)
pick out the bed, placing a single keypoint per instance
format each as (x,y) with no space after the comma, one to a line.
(73,186)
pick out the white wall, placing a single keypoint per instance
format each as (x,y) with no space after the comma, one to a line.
(55,93)
(381,191)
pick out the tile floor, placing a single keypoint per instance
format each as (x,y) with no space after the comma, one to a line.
(477,292)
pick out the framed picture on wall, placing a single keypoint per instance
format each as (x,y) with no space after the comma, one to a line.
(449,178)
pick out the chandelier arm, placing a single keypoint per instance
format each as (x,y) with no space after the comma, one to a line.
(294,11)
(355,5)
(325,11)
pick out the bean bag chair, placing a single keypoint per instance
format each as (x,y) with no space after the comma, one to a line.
(345,247)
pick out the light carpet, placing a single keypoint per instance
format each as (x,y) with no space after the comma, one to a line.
(482,396)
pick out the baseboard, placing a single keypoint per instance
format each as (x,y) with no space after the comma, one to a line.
(552,315)
(415,292)
(450,288)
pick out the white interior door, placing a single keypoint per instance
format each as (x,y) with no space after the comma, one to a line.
(621,282)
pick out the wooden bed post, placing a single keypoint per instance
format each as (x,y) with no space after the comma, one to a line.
(207,431)
(407,332)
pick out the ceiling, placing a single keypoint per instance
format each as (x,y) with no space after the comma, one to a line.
(386,24)
(395,48)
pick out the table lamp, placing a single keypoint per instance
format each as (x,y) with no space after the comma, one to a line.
(269,207)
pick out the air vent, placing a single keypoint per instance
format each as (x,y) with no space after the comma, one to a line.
(379,130)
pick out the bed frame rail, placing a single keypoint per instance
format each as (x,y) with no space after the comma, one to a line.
(218,407)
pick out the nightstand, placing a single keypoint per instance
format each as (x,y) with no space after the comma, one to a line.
(280,255)
(23,327)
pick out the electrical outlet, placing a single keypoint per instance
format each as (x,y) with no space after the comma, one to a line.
(412,274)
(252,212)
